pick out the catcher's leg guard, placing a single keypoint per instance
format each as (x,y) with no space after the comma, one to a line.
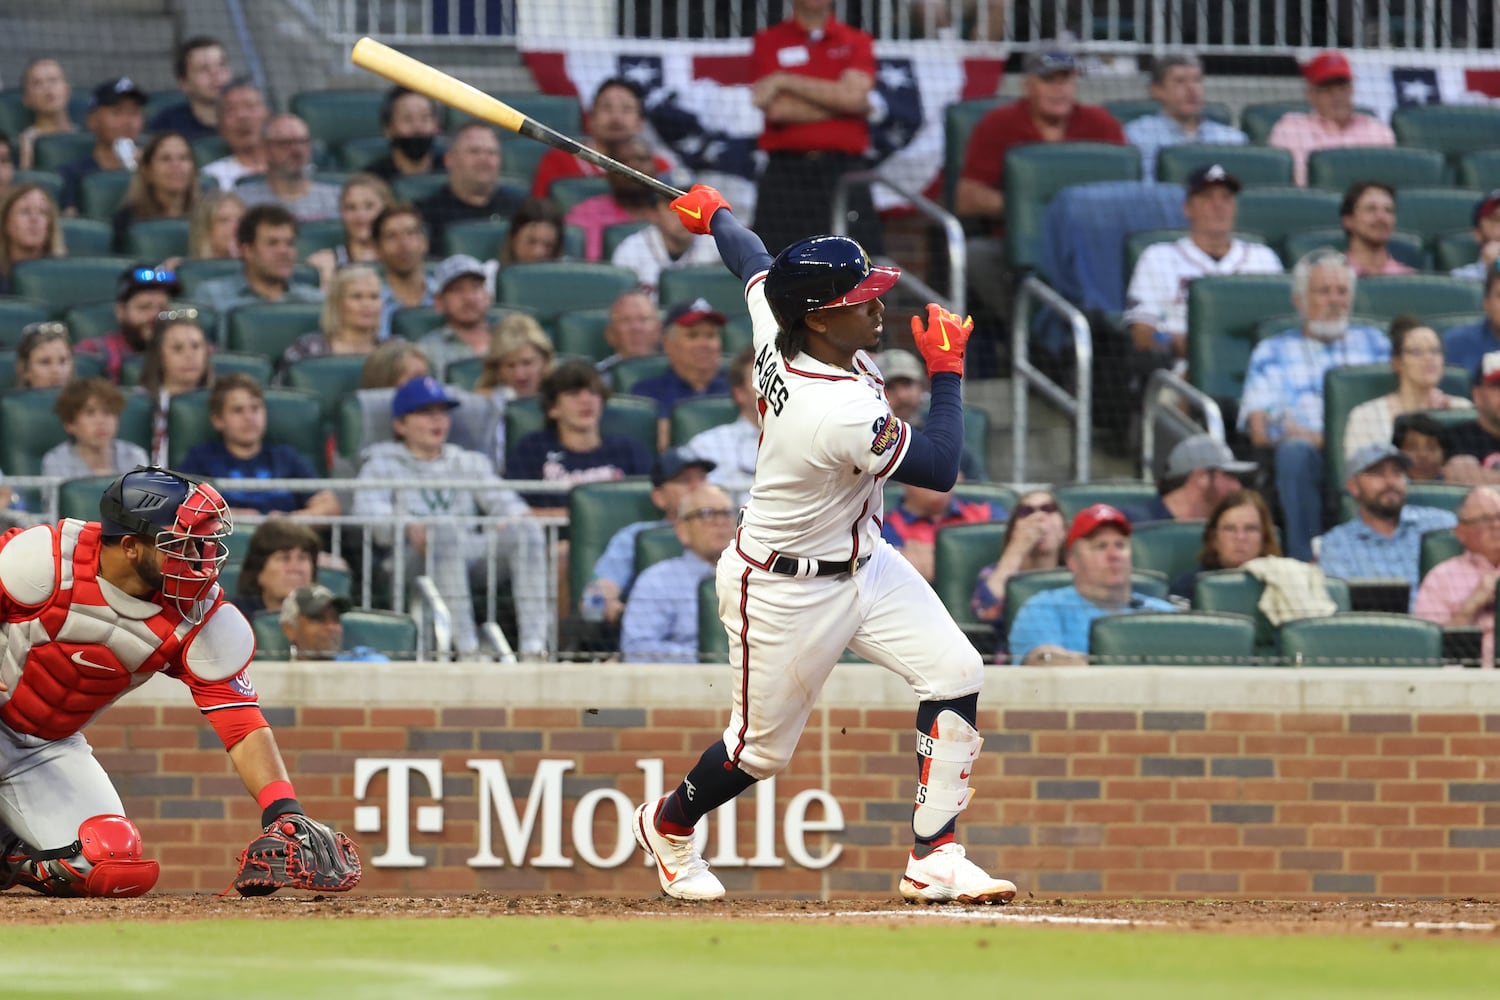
(105,860)
(946,755)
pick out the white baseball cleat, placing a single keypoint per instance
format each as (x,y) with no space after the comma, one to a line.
(683,872)
(947,876)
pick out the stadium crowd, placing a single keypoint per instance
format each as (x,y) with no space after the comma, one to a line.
(253,295)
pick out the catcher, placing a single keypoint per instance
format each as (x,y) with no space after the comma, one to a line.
(90,610)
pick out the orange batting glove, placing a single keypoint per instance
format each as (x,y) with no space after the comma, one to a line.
(942,340)
(696,208)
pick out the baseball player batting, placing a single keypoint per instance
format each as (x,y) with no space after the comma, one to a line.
(90,610)
(808,573)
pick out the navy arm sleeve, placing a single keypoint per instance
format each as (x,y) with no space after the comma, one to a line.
(741,250)
(932,457)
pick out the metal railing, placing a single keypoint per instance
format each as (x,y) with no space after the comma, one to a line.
(1165,397)
(953,236)
(1025,376)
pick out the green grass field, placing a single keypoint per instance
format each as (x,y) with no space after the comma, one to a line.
(352,959)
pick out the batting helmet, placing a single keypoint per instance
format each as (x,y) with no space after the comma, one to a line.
(820,273)
(188,521)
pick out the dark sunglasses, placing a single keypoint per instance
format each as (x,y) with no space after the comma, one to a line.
(1026,510)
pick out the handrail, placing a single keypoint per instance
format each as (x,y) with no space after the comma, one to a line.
(953,235)
(1208,407)
(433,606)
(496,635)
(1026,376)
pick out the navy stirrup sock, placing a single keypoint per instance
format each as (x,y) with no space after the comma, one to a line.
(712,782)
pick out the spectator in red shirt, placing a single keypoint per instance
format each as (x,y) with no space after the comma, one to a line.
(912,525)
(813,77)
(616,114)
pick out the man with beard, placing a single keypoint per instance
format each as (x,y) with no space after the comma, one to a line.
(141,293)
(626,200)
(1281,407)
(1368,213)
(1385,540)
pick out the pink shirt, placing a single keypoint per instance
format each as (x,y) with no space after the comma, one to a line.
(593,216)
(1391,266)
(1447,585)
(1301,133)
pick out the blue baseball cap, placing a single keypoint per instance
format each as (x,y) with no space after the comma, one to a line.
(1049,63)
(418,393)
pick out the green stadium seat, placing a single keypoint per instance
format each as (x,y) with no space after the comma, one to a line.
(53,152)
(1128,109)
(1023,586)
(15,315)
(595,512)
(1275,212)
(1437,546)
(1033,174)
(257,366)
(270,641)
(631,370)
(960,552)
(1388,295)
(552,288)
(1479,170)
(358,153)
(30,428)
(959,120)
(15,117)
(100,194)
(1223,312)
(1255,166)
(59,282)
(1455,249)
(580,333)
(92,320)
(616,234)
(977,437)
(388,632)
(1443,322)
(88,237)
(1073,497)
(713,641)
(569,191)
(293,417)
(1362,639)
(1409,248)
(1344,389)
(48,180)
(192,273)
(1432,212)
(207,149)
(157,239)
(714,282)
(418,187)
(519,157)
(324,234)
(464,373)
(415,322)
(692,416)
(335,116)
(1451,129)
(1169,547)
(330,378)
(1184,638)
(479,238)
(1237,592)
(1336,169)
(655,545)
(79,498)
(269,328)
(7,371)
(553,110)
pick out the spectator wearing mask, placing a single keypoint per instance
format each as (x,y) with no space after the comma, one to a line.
(409,121)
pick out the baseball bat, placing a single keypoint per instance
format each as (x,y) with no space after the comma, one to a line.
(414,74)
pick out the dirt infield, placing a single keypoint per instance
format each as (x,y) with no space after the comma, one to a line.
(1468,918)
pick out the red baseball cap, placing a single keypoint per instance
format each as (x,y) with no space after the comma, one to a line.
(1094,517)
(1327,67)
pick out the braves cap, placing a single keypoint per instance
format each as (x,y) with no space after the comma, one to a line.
(420,392)
(688,313)
(460,265)
(311,602)
(1327,67)
(1049,63)
(112,92)
(1094,517)
(1204,451)
(898,364)
(140,279)
(1486,205)
(1206,176)
(1366,457)
(672,461)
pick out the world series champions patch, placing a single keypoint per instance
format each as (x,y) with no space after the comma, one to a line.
(886,430)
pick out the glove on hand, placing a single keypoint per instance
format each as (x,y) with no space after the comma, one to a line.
(299,853)
(942,341)
(696,208)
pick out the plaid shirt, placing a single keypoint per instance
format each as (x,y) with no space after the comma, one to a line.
(1356,551)
(1285,380)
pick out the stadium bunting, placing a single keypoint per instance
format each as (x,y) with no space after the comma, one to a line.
(1385,80)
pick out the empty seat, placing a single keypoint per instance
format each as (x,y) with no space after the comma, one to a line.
(388,632)
(88,237)
(628,372)
(692,416)
(618,233)
(555,287)
(1184,638)
(335,116)
(655,545)
(59,282)
(713,641)
(569,191)
(330,377)
(481,238)
(91,320)
(1362,639)
(418,187)
(323,234)
(1118,493)
(1275,212)
(1237,592)
(15,315)
(1253,165)
(1479,169)
(1437,546)
(80,497)
(193,273)
(595,512)
(1336,169)
(1388,295)
(1432,212)
(960,552)
(269,328)
(1451,129)
(1257,120)
(55,151)
(100,193)
(1033,174)
(1223,312)
(1169,547)
(1455,249)
(959,119)
(714,282)
(157,239)
(580,333)
(357,154)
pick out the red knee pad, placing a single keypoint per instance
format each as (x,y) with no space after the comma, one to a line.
(112,844)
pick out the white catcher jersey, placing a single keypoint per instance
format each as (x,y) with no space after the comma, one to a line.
(828,443)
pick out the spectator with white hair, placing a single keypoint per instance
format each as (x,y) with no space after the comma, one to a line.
(1461,590)
(1332,123)
(1177,85)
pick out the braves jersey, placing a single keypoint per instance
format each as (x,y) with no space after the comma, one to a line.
(73,643)
(828,443)
(1158,291)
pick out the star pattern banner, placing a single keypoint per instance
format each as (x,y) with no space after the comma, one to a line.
(1387,80)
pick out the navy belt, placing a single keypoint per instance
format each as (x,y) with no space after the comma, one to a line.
(787,566)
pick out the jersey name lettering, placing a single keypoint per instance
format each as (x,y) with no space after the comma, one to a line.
(769,380)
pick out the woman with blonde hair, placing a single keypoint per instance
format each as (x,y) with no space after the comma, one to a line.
(520,356)
(164,185)
(45,93)
(216,218)
(350,322)
(392,363)
(29,229)
(363,198)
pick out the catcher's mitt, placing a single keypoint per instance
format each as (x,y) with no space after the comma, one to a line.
(299,853)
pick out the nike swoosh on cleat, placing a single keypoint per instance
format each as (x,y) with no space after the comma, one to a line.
(126,888)
(669,876)
(962,775)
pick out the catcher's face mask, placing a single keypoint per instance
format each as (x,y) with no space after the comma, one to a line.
(192,550)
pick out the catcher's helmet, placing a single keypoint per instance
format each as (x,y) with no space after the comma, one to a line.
(820,273)
(188,521)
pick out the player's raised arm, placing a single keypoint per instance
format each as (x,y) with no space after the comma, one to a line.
(932,457)
(704,212)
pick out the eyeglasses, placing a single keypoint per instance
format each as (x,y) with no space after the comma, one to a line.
(1026,510)
(151,276)
(187,313)
(708,513)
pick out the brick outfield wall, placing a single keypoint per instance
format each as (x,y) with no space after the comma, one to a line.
(1081,790)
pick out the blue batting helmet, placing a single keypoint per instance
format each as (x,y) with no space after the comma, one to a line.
(820,273)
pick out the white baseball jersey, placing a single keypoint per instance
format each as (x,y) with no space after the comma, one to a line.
(828,443)
(1158,292)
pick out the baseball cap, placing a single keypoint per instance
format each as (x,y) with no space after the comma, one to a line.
(1204,451)
(688,313)
(140,279)
(672,461)
(450,269)
(416,393)
(1368,456)
(1489,369)
(1049,63)
(1094,517)
(1486,205)
(112,92)
(1206,176)
(310,602)
(1327,67)
(896,363)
